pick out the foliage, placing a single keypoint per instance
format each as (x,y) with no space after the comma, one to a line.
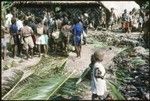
(115,92)
(43,82)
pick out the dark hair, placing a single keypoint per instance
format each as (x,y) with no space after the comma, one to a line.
(8,11)
(25,22)
(45,23)
(38,20)
(13,20)
(20,17)
(75,20)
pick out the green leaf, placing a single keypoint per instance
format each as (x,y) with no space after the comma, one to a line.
(115,92)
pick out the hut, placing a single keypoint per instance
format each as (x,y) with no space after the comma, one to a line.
(71,7)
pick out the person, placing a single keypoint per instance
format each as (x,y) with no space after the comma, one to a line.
(26,33)
(103,18)
(15,12)
(39,32)
(65,35)
(112,18)
(77,31)
(146,30)
(45,38)
(130,22)
(3,41)
(98,83)
(19,24)
(125,21)
(8,18)
(14,40)
(85,25)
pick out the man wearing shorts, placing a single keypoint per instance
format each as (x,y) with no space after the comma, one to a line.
(26,33)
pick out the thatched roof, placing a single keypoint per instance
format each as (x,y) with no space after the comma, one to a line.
(55,2)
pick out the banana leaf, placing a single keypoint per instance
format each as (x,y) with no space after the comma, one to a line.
(37,87)
(86,71)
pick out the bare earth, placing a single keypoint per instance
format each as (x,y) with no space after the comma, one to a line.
(80,64)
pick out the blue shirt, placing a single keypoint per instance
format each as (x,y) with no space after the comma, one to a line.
(77,29)
(14,29)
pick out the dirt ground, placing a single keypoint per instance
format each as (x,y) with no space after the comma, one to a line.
(73,63)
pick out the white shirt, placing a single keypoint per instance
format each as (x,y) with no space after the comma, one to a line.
(19,24)
(8,20)
(98,85)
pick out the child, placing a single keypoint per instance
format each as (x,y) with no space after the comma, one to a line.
(98,84)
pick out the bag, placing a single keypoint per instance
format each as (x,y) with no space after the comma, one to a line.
(98,73)
(39,30)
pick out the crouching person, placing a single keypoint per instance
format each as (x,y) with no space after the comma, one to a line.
(26,33)
(98,84)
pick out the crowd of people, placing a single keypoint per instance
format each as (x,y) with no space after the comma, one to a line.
(50,31)
(55,30)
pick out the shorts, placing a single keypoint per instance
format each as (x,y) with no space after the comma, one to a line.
(38,40)
(28,42)
(77,40)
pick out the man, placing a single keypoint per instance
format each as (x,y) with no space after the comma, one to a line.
(14,37)
(26,33)
(19,24)
(112,18)
(125,21)
(77,31)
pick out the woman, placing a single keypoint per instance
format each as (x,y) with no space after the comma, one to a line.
(98,84)
(45,38)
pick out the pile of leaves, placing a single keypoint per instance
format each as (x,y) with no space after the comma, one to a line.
(132,75)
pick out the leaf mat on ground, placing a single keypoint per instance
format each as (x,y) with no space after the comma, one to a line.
(36,82)
(37,88)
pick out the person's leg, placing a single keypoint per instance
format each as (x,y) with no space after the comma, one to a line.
(76,50)
(39,49)
(94,96)
(5,52)
(14,50)
(31,52)
(79,50)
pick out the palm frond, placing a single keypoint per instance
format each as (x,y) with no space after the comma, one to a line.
(115,92)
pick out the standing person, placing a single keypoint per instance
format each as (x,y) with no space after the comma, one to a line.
(26,33)
(14,37)
(146,30)
(45,38)
(125,21)
(3,41)
(15,12)
(39,33)
(8,18)
(103,18)
(77,31)
(130,22)
(19,24)
(85,25)
(112,18)
(98,83)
